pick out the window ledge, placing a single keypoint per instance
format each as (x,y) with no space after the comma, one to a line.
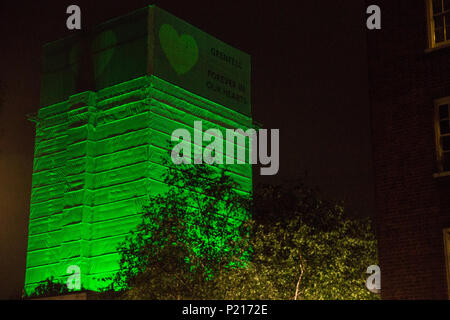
(439,47)
(441,174)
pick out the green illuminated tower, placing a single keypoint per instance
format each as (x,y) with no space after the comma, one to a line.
(110,99)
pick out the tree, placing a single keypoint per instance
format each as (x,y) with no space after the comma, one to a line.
(304,261)
(48,288)
(187,235)
(298,245)
(312,252)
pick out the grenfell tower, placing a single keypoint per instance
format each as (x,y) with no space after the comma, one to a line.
(110,99)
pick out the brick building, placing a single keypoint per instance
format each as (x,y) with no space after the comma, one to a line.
(409,74)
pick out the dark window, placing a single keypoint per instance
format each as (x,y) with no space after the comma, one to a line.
(443,133)
(440,26)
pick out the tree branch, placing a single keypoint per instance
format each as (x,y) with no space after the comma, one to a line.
(302,269)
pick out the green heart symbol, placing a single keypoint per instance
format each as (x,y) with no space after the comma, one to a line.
(181,51)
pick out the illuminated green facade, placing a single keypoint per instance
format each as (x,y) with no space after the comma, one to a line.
(109,104)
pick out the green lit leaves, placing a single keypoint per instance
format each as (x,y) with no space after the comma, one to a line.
(196,242)
(187,234)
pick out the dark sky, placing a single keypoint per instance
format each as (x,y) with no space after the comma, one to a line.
(309,79)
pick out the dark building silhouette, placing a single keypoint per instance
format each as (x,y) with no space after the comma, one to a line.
(409,75)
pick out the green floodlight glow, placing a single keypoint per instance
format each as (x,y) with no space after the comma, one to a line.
(98,153)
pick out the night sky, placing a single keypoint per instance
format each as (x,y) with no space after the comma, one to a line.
(309,79)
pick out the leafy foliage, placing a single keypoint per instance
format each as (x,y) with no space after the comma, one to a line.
(296,227)
(297,246)
(48,288)
(186,235)
(331,263)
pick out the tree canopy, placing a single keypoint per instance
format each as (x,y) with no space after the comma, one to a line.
(203,239)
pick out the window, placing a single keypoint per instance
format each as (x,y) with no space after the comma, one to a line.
(447,257)
(442,130)
(439,22)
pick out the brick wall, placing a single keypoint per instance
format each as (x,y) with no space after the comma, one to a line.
(412,207)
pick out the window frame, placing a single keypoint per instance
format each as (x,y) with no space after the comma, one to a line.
(446,233)
(437,132)
(430,26)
